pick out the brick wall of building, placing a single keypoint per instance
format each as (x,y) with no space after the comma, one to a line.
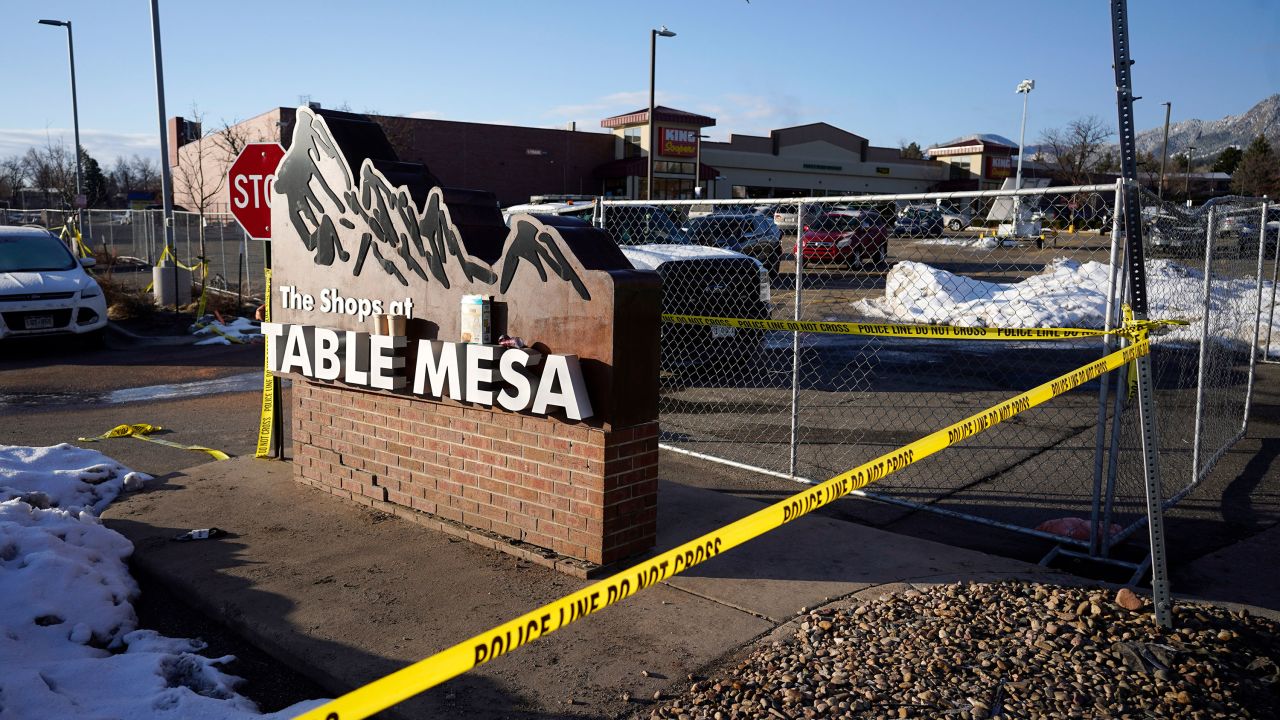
(583,492)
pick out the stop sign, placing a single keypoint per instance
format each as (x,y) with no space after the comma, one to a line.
(250,178)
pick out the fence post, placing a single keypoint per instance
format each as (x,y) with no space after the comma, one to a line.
(1204,348)
(1117,429)
(1257,319)
(795,343)
(1108,343)
(1275,275)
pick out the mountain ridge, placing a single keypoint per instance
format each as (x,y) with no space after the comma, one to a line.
(1211,137)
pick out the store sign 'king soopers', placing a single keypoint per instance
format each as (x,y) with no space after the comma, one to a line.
(515,379)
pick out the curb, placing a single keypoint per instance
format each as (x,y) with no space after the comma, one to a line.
(156,340)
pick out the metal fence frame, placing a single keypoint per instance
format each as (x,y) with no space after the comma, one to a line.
(1111,452)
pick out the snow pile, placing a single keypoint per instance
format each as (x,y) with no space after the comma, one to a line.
(978,243)
(64,476)
(69,642)
(219,332)
(1070,294)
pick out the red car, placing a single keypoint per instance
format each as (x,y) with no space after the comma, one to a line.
(855,237)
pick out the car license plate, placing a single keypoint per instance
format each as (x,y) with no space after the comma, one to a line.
(38,322)
(719,331)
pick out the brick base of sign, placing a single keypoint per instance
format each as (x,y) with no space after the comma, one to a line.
(500,479)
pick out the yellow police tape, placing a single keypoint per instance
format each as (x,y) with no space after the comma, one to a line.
(71,234)
(449,663)
(266,418)
(202,266)
(141,432)
(1131,328)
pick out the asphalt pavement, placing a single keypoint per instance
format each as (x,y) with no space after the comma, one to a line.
(344,593)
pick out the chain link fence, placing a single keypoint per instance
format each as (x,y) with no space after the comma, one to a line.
(1206,265)
(808,405)
(134,241)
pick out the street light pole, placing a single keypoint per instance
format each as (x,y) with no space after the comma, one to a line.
(75,114)
(1164,148)
(1025,87)
(1186,190)
(697,166)
(166,178)
(653,49)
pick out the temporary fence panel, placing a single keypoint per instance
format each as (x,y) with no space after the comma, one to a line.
(134,240)
(804,405)
(1203,264)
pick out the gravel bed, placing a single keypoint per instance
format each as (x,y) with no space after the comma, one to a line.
(1004,650)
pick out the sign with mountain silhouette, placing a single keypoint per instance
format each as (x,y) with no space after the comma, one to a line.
(349,244)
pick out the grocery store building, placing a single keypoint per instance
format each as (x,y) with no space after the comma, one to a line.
(516,163)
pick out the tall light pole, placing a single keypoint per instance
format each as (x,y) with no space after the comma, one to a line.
(697,166)
(1025,87)
(166,178)
(1186,190)
(653,48)
(75,113)
(1164,149)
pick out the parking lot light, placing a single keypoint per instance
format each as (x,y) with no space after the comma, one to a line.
(75,112)
(1025,87)
(653,47)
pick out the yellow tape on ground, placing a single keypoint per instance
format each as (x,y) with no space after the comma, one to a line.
(925,332)
(266,418)
(403,684)
(142,430)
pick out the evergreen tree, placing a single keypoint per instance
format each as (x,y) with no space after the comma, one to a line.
(1258,172)
(94,181)
(1228,160)
(912,151)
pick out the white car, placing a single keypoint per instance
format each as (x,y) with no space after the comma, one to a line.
(44,289)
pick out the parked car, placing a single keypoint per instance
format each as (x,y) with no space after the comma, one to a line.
(956,220)
(919,223)
(749,234)
(696,280)
(1248,233)
(44,289)
(1172,232)
(786,217)
(854,237)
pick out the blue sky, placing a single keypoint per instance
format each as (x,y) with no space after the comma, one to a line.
(923,70)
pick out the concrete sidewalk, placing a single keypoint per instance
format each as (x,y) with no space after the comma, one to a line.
(346,594)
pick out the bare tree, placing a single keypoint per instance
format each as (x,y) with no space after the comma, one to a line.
(145,173)
(200,176)
(1076,152)
(12,176)
(52,169)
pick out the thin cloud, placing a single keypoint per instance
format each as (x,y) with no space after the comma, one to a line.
(741,114)
(103,145)
(604,106)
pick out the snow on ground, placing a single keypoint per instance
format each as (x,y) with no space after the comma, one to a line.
(978,243)
(215,332)
(69,642)
(1071,294)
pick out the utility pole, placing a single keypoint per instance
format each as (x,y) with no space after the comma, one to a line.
(166,178)
(1186,190)
(653,51)
(1164,148)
